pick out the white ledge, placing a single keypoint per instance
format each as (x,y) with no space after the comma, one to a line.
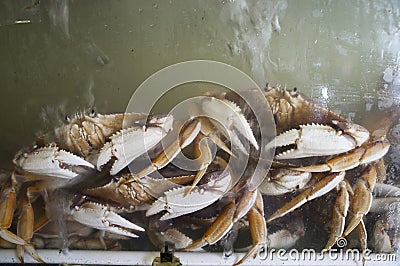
(191,258)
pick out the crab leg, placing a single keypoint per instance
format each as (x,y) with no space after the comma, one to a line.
(380,170)
(231,214)
(258,228)
(362,235)
(322,187)
(339,215)
(25,228)
(208,130)
(189,132)
(217,230)
(231,118)
(362,199)
(8,202)
(201,150)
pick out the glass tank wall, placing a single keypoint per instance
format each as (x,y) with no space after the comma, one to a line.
(59,58)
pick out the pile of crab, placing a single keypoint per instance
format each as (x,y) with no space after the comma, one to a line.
(102,179)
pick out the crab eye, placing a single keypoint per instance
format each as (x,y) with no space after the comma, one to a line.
(68,118)
(294,92)
(266,88)
(92,112)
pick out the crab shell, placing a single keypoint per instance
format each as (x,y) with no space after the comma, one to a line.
(130,196)
(291,109)
(85,133)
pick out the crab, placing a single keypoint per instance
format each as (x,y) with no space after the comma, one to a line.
(384,209)
(244,204)
(215,118)
(84,133)
(51,168)
(70,157)
(78,236)
(98,148)
(98,138)
(8,202)
(307,131)
(12,190)
(88,142)
(229,122)
(302,126)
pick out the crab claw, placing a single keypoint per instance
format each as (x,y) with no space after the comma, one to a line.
(306,141)
(99,216)
(230,117)
(51,161)
(128,144)
(177,203)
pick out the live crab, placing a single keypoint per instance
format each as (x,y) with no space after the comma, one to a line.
(305,131)
(102,146)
